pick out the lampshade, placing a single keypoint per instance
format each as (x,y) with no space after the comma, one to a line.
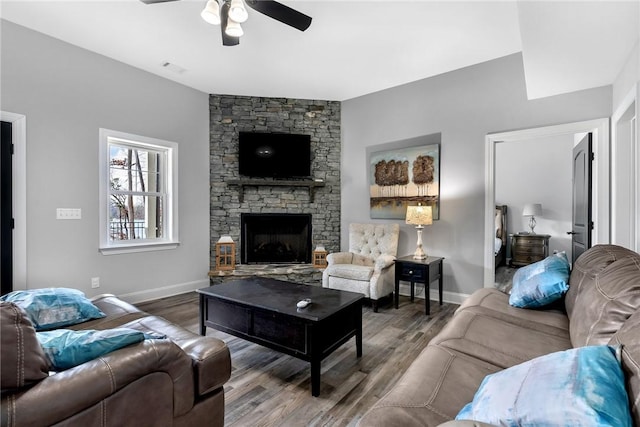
(233,28)
(211,12)
(532,209)
(237,11)
(419,215)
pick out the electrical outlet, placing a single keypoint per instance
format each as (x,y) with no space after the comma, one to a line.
(95,282)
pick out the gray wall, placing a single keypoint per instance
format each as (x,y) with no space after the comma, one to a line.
(67,94)
(628,76)
(463,105)
(525,171)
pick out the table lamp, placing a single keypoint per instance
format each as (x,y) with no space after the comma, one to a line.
(419,216)
(532,210)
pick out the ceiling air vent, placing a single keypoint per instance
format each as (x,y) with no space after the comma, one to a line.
(173,67)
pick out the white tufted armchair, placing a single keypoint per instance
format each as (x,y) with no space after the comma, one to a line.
(368,266)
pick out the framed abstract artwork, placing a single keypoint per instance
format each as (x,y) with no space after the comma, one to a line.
(401,177)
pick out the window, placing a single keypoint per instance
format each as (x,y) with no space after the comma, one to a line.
(138,193)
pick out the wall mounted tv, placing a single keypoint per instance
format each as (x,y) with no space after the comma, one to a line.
(276,155)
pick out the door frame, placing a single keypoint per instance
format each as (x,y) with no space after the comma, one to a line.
(19,184)
(600,202)
(620,135)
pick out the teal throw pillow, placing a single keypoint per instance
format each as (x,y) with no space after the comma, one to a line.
(580,387)
(540,283)
(51,308)
(66,348)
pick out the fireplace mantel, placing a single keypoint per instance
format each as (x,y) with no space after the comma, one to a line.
(309,183)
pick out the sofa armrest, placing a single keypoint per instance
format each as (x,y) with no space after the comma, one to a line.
(384,261)
(210,356)
(69,392)
(339,258)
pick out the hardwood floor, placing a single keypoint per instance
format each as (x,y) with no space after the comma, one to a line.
(268,388)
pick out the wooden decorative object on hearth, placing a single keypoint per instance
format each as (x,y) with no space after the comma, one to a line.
(320,257)
(225,254)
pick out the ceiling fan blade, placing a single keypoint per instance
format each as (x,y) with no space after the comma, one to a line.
(282,13)
(227,40)
(155,1)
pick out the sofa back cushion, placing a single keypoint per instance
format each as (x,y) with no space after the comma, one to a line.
(604,292)
(22,360)
(629,338)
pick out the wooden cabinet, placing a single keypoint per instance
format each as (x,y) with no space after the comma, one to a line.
(529,248)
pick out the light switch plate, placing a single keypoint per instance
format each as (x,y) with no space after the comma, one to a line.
(66,213)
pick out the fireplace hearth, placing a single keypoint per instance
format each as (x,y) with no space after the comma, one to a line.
(275,238)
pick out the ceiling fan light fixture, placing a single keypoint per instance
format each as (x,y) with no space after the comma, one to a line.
(238,11)
(211,12)
(233,28)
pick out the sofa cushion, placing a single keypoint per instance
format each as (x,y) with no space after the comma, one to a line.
(540,283)
(51,308)
(497,341)
(629,338)
(577,387)
(495,303)
(350,271)
(118,312)
(432,391)
(22,360)
(66,348)
(604,305)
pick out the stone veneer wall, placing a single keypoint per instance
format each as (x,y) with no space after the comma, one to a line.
(320,119)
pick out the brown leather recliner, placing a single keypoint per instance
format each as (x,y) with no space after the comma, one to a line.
(172,382)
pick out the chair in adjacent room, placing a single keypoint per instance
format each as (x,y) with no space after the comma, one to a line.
(368,266)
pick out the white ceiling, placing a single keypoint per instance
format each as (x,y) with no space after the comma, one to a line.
(352,47)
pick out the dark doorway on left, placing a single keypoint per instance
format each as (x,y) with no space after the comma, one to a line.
(6,209)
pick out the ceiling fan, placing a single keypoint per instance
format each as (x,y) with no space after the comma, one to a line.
(229,14)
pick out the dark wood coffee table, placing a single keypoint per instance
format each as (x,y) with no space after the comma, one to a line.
(264,311)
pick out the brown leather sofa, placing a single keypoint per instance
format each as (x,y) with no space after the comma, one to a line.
(487,335)
(170,382)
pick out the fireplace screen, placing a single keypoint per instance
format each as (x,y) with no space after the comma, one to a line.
(275,238)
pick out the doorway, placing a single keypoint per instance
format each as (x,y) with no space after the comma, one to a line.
(600,130)
(19,196)
(525,171)
(6,209)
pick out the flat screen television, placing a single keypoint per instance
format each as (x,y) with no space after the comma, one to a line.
(275,155)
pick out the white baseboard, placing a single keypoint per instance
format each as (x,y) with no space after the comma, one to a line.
(181,288)
(163,292)
(449,297)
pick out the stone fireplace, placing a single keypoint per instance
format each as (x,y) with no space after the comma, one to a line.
(229,202)
(275,238)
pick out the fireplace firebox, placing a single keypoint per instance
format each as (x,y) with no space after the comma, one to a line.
(275,238)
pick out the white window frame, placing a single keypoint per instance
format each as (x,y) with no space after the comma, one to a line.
(169,239)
